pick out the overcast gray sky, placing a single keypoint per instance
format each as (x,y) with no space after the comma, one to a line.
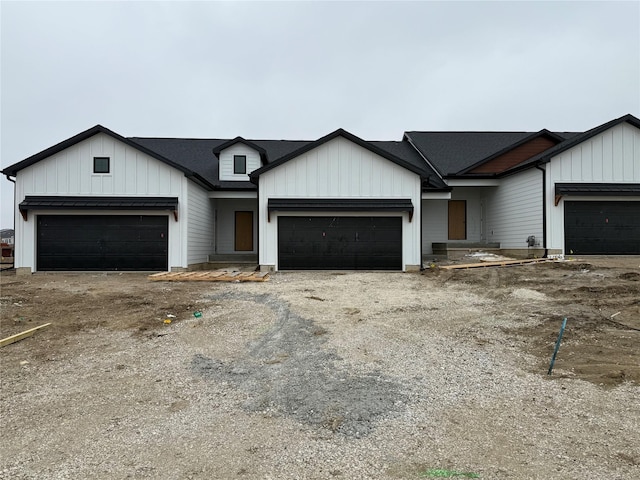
(301,70)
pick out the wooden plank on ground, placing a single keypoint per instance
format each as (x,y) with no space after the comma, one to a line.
(210,276)
(20,336)
(503,263)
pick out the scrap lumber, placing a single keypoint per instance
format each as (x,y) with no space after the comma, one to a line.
(503,263)
(20,336)
(210,276)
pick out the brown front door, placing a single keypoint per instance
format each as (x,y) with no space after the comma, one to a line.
(244,232)
(457,219)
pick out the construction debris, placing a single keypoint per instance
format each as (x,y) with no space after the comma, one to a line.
(503,263)
(19,336)
(210,276)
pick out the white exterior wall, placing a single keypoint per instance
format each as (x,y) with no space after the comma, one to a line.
(435,223)
(339,169)
(70,173)
(226,220)
(435,217)
(612,156)
(226,162)
(200,225)
(514,210)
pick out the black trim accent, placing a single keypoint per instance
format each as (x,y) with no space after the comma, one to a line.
(544,210)
(340,205)
(239,164)
(598,189)
(103,203)
(99,165)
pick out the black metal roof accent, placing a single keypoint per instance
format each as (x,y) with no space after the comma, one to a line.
(338,133)
(264,158)
(598,189)
(341,205)
(84,203)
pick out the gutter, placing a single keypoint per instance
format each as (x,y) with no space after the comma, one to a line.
(544,209)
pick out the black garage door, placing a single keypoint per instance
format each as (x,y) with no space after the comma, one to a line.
(340,243)
(602,228)
(102,242)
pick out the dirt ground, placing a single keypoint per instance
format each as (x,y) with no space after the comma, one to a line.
(325,374)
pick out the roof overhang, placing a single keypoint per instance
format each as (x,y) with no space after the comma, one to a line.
(339,205)
(596,190)
(97,203)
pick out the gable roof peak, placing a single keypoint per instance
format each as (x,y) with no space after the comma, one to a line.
(264,158)
(340,132)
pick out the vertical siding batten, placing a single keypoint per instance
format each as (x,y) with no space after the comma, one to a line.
(129,171)
(610,157)
(340,167)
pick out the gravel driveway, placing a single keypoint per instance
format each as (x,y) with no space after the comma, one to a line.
(310,375)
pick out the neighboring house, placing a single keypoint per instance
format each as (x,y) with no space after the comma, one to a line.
(100,201)
(6,243)
(7,236)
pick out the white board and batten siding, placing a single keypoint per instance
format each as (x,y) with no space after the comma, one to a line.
(225,164)
(612,156)
(70,173)
(340,168)
(514,210)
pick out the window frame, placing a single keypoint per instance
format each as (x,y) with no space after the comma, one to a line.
(100,171)
(239,171)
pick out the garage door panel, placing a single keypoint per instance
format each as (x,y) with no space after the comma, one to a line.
(340,243)
(602,228)
(109,242)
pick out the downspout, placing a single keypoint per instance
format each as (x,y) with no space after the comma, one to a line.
(544,210)
(421,236)
(258,223)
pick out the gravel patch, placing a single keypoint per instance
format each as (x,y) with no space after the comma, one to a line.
(287,369)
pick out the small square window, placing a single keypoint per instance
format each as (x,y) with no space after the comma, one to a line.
(240,164)
(100,164)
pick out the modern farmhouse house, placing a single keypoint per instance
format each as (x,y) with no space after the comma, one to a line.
(101,201)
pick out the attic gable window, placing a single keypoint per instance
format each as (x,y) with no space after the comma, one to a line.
(239,164)
(101,164)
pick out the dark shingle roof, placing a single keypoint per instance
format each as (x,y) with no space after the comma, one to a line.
(452,152)
(407,152)
(197,155)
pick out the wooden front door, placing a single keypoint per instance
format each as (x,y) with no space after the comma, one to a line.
(457,219)
(244,232)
